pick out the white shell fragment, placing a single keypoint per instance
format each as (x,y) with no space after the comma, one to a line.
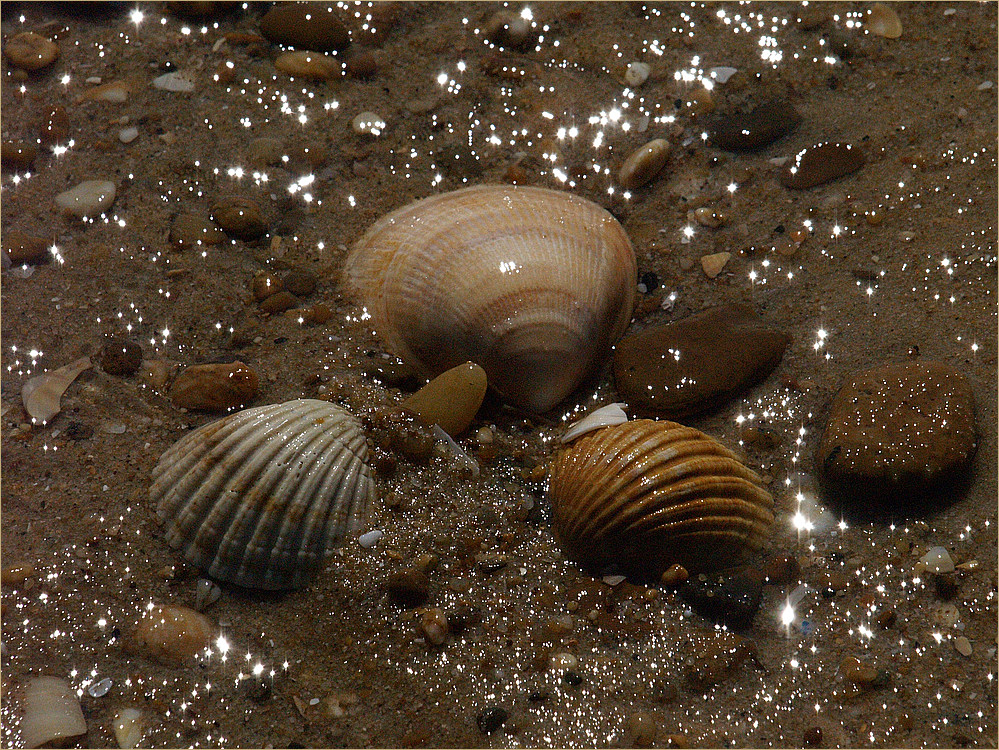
(533,285)
(722,73)
(51,711)
(89,198)
(261,497)
(206,594)
(602,417)
(42,394)
(938,560)
(129,726)
(368,123)
(636,74)
(177,81)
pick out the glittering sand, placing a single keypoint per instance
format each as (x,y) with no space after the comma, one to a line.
(894,261)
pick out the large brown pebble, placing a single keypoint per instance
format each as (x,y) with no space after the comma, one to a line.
(279,302)
(215,387)
(119,356)
(408,587)
(55,129)
(821,163)
(172,634)
(307,64)
(193,230)
(311,26)
(240,218)
(23,248)
(452,399)
(361,63)
(898,430)
(17,155)
(30,51)
(265,285)
(696,363)
(301,282)
(643,164)
(756,129)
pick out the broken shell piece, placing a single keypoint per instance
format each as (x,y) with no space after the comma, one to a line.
(206,594)
(41,394)
(51,711)
(129,726)
(602,417)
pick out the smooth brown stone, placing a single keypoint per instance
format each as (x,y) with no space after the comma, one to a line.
(452,399)
(266,284)
(24,248)
(56,127)
(30,51)
(279,302)
(193,230)
(240,218)
(310,26)
(756,129)
(215,387)
(696,363)
(821,163)
(119,356)
(361,63)
(644,163)
(301,282)
(307,64)
(17,155)
(898,430)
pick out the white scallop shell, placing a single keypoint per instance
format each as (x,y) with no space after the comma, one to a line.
(261,497)
(533,285)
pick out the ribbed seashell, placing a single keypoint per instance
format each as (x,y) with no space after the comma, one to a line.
(643,495)
(533,285)
(261,497)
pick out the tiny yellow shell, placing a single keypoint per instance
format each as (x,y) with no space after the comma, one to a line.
(640,496)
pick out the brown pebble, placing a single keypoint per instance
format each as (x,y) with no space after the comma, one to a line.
(214,387)
(721,654)
(17,155)
(760,438)
(15,575)
(434,626)
(266,284)
(756,129)
(674,575)
(279,302)
(946,585)
(399,431)
(194,230)
(55,129)
(643,164)
(300,282)
(308,26)
(858,672)
(240,218)
(641,729)
(30,51)
(408,587)
(886,619)
(677,740)
(361,63)
(821,163)
(119,356)
(24,248)
(317,314)
(812,737)
(509,29)
(307,64)
(450,400)
(713,263)
(172,634)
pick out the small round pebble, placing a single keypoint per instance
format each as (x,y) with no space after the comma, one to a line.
(279,302)
(641,728)
(821,163)
(30,51)
(172,634)
(306,64)
(508,29)
(491,719)
(120,357)
(24,248)
(89,198)
(264,285)
(301,282)
(240,217)
(812,737)
(176,81)
(368,123)
(643,164)
(409,587)
(572,678)
(361,63)
(194,230)
(756,129)
(636,74)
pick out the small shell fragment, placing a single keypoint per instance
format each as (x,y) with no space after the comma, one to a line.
(176,81)
(129,726)
(602,417)
(884,21)
(42,394)
(261,497)
(938,560)
(51,711)
(206,594)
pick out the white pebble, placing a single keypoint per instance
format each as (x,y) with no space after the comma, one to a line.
(97,79)
(950,11)
(100,688)
(368,123)
(722,73)
(937,560)
(985,85)
(129,726)
(51,711)
(89,198)
(637,74)
(179,81)
(127,135)
(369,539)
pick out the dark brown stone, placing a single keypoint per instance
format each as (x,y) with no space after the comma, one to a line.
(17,155)
(821,163)
(756,129)
(361,63)
(214,387)
(193,230)
(698,362)
(279,302)
(408,587)
(119,356)
(897,431)
(240,218)
(25,248)
(55,129)
(310,26)
(300,282)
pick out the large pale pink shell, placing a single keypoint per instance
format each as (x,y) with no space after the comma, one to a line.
(643,495)
(533,285)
